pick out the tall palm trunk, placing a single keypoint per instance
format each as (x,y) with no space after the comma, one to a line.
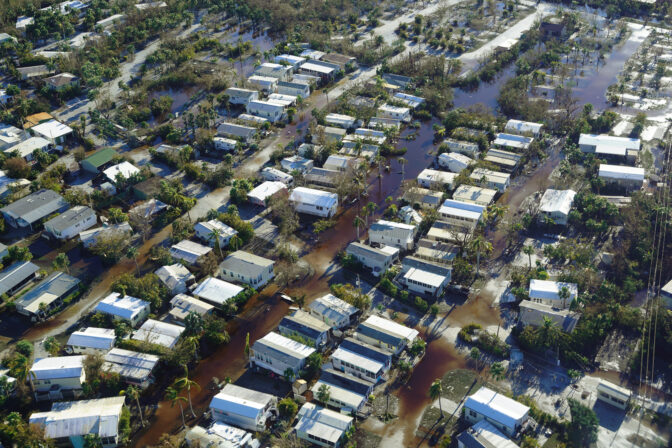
(191,408)
(184,424)
(137,402)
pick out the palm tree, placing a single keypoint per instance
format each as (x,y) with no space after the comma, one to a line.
(403,163)
(370,210)
(435,391)
(548,332)
(289,374)
(480,245)
(185,383)
(62,262)
(214,236)
(564,294)
(497,371)
(529,250)
(247,346)
(173,395)
(235,242)
(132,253)
(133,393)
(357,222)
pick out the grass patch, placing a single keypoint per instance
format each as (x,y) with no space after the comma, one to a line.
(433,427)
(554,442)
(383,402)
(459,383)
(366,439)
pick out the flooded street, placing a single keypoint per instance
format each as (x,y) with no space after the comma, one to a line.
(414,395)
(592,86)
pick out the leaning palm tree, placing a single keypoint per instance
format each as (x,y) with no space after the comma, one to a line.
(357,222)
(174,396)
(133,393)
(186,383)
(435,391)
(480,245)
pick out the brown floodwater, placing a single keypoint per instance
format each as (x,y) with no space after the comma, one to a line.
(259,316)
(439,358)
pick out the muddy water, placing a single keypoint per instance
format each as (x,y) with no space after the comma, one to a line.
(260,315)
(591,88)
(486,93)
(414,395)
(260,318)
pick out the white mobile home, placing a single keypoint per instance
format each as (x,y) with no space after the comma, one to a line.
(483,434)
(505,414)
(336,162)
(295,88)
(453,161)
(175,277)
(241,96)
(157,332)
(614,395)
(340,121)
(216,291)
(378,260)
(321,426)
(274,174)
(627,177)
(296,163)
(277,353)
(189,251)
(491,179)
(183,305)
(51,377)
(237,131)
(609,145)
(264,191)
(242,407)
(466,148)
(289,59)
(386,334)
(125,308)
(395,234)
(514,142)
(69,422)
(224,144)
(394,112)
(273,112)
(314,202)
(69,223)
(461,214)
(247,268)
(91,340)
(549,293)
(206,231)
(266,84)
(271,70)
(556,205)
(306,328)
(358,365)
(436,179)
(52,130)
(474,195)
(524,127)
(411,101)
(333,311)
(132,367)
